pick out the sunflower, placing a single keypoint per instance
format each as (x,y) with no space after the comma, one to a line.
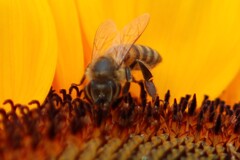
(49,43)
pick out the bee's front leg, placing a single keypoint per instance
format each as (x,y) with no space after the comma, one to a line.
(75,86)
(128,76)
(81,82)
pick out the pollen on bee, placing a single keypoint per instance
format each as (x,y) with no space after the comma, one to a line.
(66,125)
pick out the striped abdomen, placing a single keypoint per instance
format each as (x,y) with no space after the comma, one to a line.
(143,53)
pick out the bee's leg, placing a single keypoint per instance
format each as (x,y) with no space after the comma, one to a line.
(81,82)
(128,75)
(151,89)
(75,86)
(147,75)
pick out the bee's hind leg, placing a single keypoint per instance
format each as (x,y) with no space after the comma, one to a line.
(147,75)
(126,86)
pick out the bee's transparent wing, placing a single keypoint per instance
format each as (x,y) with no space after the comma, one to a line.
(127,37)
(104,37)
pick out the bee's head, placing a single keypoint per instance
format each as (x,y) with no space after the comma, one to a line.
(102,93)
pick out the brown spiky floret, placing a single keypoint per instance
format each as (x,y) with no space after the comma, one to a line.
(65,127)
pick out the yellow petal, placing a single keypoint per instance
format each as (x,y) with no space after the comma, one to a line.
(198,40)
(27,50)
(232,93)
(70,51)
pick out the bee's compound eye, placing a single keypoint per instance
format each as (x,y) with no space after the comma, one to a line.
(115,89)
(112,85)
(93,91)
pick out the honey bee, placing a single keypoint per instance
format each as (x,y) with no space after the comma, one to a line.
(114,55)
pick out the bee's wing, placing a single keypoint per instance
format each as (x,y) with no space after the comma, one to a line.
(128,36)
(104,37)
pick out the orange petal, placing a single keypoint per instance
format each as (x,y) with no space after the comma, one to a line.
(232,93)
(27,49)
(70,52)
